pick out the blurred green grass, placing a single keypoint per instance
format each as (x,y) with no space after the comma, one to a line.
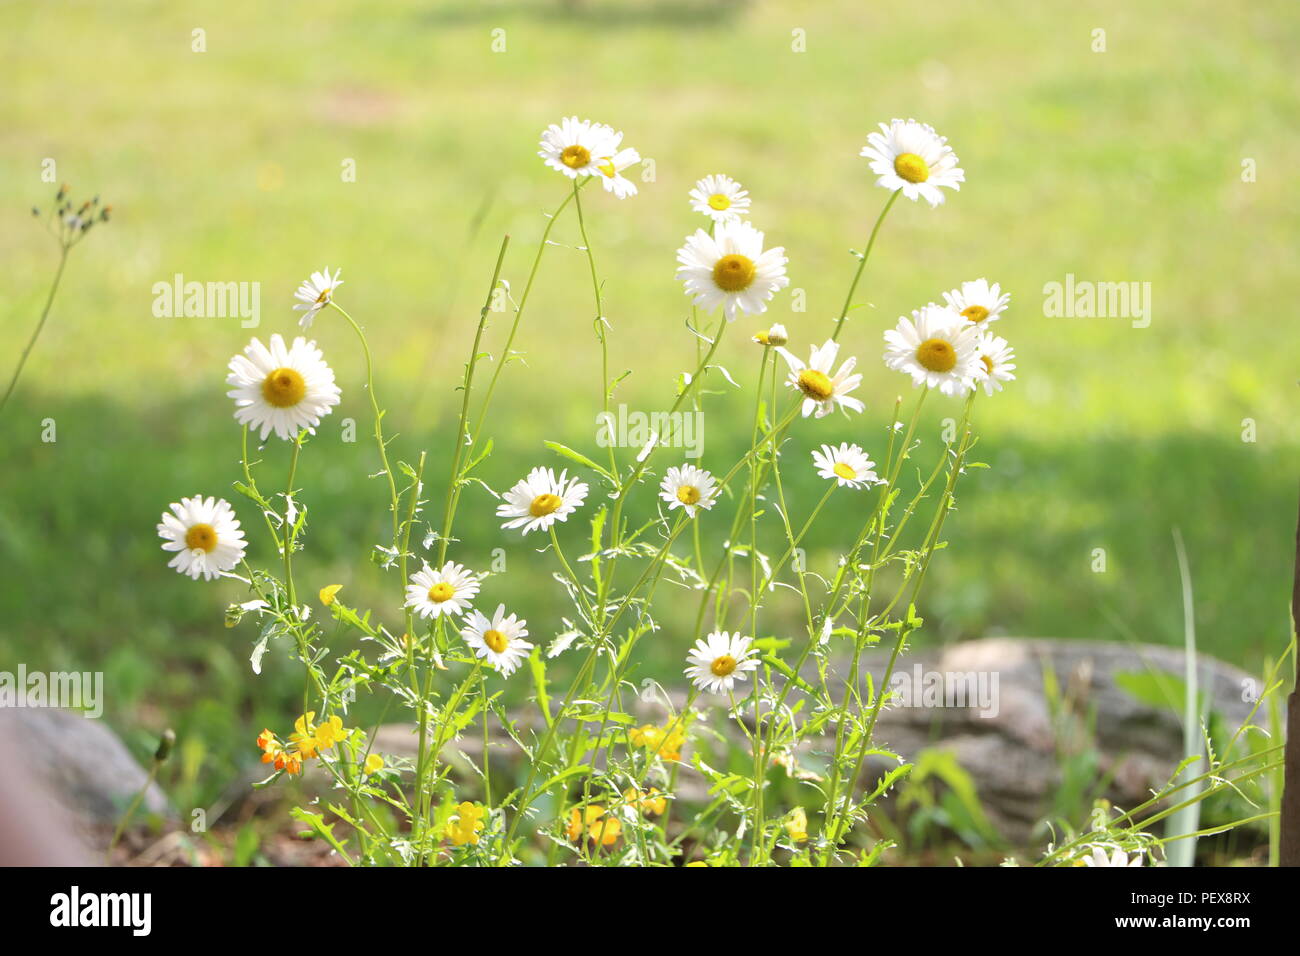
(225,165)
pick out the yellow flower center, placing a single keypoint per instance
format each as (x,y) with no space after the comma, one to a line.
(324,296)
(719,202)
(722,666)
(975,313)
(544,505)
(496,640)
(734,272)
(815,385)
(911,167)
(442,591)
(608,169)
(988,363)
(575,157)
(688,494)
(201,537)
(937,355)
(845,471)
(284,388)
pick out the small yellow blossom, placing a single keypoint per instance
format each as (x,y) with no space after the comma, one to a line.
(797,825)
(603,830)
(304,734)
(650,801)
(328,593)
(330,732)
(466,825)
(660,741)
(374,764)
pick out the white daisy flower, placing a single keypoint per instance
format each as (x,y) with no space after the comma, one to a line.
(776,335)
(611,173)
(937,347)
(315,294)
(731,269)
(996,361)
(205,535)
(578,147)
(281,389)
(823,390)
(690,488)
(847,464)
(720,660)
(448,590)
(1118,858)
(541,499)
(499,641)
(977,301)
(720,198)
(911,156)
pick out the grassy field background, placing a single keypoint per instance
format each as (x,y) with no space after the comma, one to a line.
(225,166)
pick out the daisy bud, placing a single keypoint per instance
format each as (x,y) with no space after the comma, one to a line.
(165,745)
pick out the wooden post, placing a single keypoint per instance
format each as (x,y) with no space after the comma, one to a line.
(1290,850)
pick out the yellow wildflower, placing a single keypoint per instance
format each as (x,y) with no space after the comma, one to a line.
(328,592)
(466,824)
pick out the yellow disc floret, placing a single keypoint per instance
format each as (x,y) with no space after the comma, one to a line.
(496,641)
(734,272)
(911,167)
(201,537)
(575,157)
(816,385)
(723,666)
(937,355)
(544,505)
(688,494)
(442,591)
(284,388)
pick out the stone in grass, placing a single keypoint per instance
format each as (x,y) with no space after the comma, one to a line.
(83,765)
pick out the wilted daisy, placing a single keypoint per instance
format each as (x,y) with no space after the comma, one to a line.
(499,640)
(911,156)
(937,347)
(847,464)
(997,361)
(731,269)
(205,535)
(978,302)
(821,389)
(720,198)
(315,294)
(1118,858)
(541,499)
(447,590)
(611,173)
(690,488)
(720,660)
(776,335)
(578,147)
(281,388)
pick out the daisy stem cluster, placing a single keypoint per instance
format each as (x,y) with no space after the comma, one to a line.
(777,723)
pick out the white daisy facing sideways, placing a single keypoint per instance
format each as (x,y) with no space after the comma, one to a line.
(611,173)
(578,147)
(1118,858)
(281,388)
(538,501)
(315,294)
(731,269)
(978,302)
(848,465)
(997,362)
(446,590)
(937,347)
(205,535)
(911,156)
(718,661)
(720,198)
(689,488)
(823,388)
(499,640)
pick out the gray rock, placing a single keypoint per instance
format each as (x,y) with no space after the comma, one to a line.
(82,764)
